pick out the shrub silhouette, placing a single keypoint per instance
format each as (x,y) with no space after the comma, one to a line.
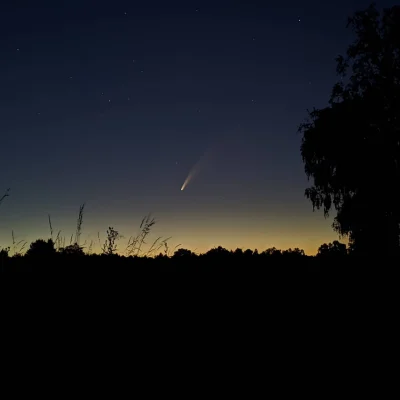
(41,248)
(4,252)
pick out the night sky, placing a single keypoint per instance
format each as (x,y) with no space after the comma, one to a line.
(113,103)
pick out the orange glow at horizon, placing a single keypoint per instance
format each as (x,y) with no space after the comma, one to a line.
(196,231)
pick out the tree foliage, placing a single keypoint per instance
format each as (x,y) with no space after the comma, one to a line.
(334,249)
(351,149)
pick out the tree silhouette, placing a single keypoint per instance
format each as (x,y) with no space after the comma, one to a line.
(351,149)
(273,251)
(238,253)
(41,248)
(334,249)
(248,253)
(218,252)
(183,253)
(296,252)
(72,250)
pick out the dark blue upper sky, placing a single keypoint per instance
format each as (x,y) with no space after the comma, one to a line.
(113,102)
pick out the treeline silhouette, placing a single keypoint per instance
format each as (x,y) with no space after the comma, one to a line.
(42,254)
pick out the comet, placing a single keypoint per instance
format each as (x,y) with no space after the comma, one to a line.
(188,179)
(219,144)
(201,163)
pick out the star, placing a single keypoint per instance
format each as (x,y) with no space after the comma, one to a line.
(299,19)
(109,100)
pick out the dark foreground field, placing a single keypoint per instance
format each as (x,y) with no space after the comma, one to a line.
(209,313)
(294,276)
